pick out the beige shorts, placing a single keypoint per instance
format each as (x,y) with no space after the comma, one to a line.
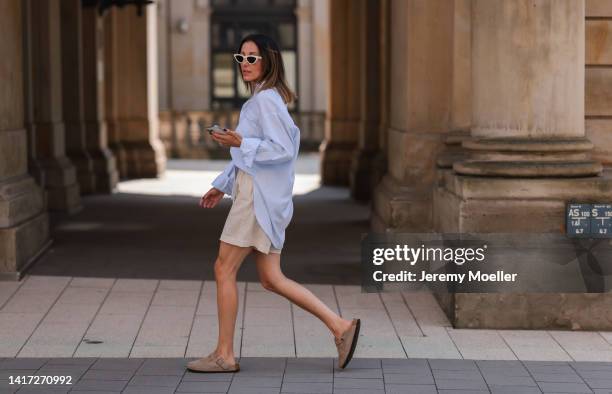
(241,227)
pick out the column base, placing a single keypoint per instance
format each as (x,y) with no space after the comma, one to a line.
(568,311)
(20,199)
(63,192)
(465,204)
(362,177)
(398,208)
(113,128)
(120,159)
(336,160)
(145,159)
(105,170)
(528,157)
(84,171)
(24,225)
(495,204)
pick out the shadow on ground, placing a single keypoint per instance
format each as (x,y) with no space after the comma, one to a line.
(128,235)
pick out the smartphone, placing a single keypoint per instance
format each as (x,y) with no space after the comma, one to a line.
(216,128)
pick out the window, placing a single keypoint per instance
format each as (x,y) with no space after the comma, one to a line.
(232,20)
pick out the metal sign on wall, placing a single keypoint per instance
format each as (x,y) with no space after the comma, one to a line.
(589,220)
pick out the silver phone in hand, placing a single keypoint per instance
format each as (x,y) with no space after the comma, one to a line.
(216,129)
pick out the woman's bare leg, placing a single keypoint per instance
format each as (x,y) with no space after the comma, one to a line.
(226,267)
(273,279)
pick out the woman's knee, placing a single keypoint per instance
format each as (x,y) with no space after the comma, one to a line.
(224,268)
(271,282)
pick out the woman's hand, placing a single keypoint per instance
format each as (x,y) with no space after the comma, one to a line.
(232,138)
(211,198)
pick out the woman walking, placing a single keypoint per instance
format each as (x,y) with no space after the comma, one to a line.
(260,179)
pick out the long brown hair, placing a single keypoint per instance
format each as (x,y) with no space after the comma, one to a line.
(273,69)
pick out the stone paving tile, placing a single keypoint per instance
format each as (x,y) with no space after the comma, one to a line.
(424,377)
(600,383)
(111,364)
(99,374)
(355,383)
(79,362)
(95,384)
(365,373)
(358,391)
(410,389)
(155,380)
(203,387)
(207,377)
(534,345)
(5,374)
(452,365)
(565,388)
(253,390)
(23,363)
(463,391)
(158,367)
(558,377)
(510,381)
(15,329)
(313,387)
(94,392)
(461,384)
(314,375)
(308,377)
(148,390)
(481,344)
(515,390)
(257,381)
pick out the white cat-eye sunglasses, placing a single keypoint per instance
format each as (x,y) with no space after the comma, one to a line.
(251,59)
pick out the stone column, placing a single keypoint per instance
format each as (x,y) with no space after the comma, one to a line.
(527,155)
(343,114)
(420,104)
(379,163)
(137,103)
(303,13)
(96,138)
(47,126)
(528,103)
(598,100)
(24,227)
(111,100)
(362,180)
(72,86)
(34,167)
(461,87)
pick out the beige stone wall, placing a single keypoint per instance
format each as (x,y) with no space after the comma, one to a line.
(598,90)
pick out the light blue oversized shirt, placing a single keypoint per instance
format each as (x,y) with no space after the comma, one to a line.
(269,148)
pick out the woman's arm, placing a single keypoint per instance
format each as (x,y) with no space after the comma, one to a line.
(277,146)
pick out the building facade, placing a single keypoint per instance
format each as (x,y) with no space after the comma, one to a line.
(449,115)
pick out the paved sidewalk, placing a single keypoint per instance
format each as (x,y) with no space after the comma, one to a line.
(55,316)
(312,375)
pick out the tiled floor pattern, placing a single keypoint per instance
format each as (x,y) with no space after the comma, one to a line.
(312,375)
(52,316)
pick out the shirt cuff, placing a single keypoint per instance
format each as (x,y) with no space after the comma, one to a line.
(249,147)
(223,183)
